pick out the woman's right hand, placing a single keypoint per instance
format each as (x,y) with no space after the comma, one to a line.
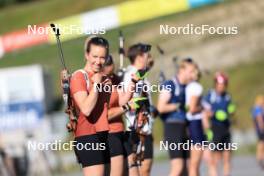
(97,78)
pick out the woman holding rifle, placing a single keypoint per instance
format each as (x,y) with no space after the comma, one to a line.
(92,125)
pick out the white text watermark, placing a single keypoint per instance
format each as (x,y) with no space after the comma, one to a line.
(70,29)
(191,29)
(58,145)
(189,145)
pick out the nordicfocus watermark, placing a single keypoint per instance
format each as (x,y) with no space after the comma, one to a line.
(191,29)
(189,145)
(138,88)
(58,145)
(69,29)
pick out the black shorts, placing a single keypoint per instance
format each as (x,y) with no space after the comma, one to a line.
(260,135)
(221,136)
(196,131)
(148,144)
(116,143)
(92,149)
(175,133)
(130,139)
(2,153)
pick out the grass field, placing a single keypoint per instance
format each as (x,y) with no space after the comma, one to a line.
(19,16)
(245,80)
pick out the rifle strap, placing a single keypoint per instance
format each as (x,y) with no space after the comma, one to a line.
(86,77)
(73,113)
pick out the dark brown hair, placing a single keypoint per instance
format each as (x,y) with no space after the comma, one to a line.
(136,50)
(98,41)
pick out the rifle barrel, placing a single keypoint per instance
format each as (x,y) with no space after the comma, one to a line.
(57,34)
(121,50)
(161,51)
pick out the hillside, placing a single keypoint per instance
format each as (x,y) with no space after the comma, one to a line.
(240,54)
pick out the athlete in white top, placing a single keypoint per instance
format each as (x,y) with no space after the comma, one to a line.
(141,86)
(193,89)
(193,93)
(138,55)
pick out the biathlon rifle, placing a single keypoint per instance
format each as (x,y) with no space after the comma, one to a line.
(175,63)
(162,76)
(65,84)
(175,59)
(121,70)
(142,114)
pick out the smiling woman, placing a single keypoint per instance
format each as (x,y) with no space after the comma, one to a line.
(92,122)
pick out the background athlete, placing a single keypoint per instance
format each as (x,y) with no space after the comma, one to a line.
(146,165)
(171,105)
(138,55)
(258,118)
(194,115)
(118,105)
(219,104)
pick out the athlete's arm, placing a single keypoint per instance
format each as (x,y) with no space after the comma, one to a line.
(115,112)
(126,94)
(260,122)
(163,102)
(127,90)
(86,102)
(194,105)
(207,107)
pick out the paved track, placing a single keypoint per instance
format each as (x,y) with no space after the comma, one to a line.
(241,166)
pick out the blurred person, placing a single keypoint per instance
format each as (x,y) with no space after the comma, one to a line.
(118,105)
(146,165)
(171,105)
(218,103)
(206,123)
(138,55)
(194,116)
(6,164)
(258,118)
(92,105)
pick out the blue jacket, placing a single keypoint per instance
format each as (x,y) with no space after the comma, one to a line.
(177,91)
(219,105)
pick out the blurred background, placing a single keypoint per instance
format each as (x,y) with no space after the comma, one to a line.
(31,106)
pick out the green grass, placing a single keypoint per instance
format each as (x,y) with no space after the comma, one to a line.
(246,150)
(245,81)
(16,17)
(19,16)
(244,84)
